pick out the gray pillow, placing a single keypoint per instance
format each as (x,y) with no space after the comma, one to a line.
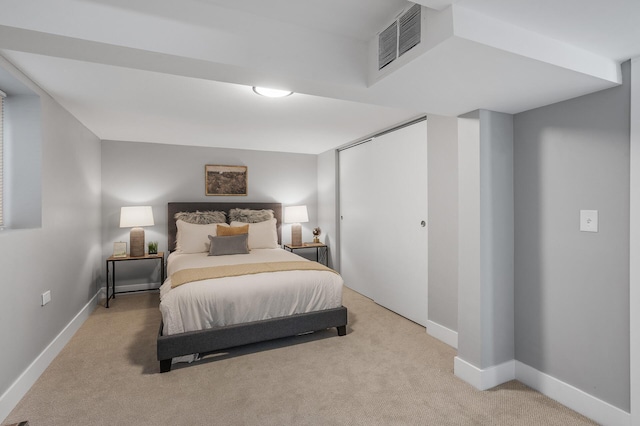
(232,244)
(250,216)
(202,218)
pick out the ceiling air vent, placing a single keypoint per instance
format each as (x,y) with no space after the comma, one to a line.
(409,29)
(399,37)
(388,45)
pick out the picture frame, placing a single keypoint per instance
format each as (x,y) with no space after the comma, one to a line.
(225,180)
(120,249)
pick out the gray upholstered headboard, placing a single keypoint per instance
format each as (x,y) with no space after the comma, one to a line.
(173,208)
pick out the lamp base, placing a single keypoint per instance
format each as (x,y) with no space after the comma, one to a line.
(296,234)
(136,242)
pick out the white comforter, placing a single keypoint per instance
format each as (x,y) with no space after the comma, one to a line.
(235,300)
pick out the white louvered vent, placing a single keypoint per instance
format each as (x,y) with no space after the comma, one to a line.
(409,29)
(388,45)
(399,37)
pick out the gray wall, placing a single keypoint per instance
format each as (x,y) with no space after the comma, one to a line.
(442,141)
(63,254)
(572,287)
(155,174)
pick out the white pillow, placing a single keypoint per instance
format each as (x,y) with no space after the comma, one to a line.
(194,238)
(261,234)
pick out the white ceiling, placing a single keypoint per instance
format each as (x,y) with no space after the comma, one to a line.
(180,72)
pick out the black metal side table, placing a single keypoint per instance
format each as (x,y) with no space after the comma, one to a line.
(322,251)
(111,277)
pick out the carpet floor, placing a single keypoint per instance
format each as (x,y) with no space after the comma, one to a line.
(385,371)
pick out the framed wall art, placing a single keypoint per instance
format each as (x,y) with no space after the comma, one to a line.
(120,249)
(225,180)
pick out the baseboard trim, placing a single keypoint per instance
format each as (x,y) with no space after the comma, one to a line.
(599,411)
(443,334)
(21,386)
(487,378)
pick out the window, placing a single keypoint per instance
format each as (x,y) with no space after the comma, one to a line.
(21,162)
(2,96)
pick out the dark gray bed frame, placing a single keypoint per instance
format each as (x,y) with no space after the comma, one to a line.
(219,338)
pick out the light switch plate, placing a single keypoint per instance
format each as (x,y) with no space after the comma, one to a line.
(46,297)
(589,220)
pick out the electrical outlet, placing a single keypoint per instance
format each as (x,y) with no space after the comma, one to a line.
(46,297)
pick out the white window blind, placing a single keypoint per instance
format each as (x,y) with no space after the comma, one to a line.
(2,96)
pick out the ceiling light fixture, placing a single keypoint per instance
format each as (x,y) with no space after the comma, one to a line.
(271,93)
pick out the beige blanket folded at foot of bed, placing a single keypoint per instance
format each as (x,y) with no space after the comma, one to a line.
(198,274)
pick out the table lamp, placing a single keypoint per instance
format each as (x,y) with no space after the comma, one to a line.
(135,218)
(296,215)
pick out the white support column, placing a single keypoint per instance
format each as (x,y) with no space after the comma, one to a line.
(634,264)
(486,276)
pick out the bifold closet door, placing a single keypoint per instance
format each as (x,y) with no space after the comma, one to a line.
(383,232)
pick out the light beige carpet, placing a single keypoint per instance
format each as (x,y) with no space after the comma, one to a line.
(385,371)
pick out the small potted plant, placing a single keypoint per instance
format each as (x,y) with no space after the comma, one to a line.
(153,247)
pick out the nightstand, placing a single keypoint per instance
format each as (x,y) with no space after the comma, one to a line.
(111,261)
(322,251)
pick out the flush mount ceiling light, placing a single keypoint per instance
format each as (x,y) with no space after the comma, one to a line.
(271,93)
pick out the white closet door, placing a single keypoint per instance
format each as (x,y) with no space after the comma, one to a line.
(356,195)
(402,244)
(384,246)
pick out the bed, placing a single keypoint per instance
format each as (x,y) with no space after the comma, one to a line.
(259,306)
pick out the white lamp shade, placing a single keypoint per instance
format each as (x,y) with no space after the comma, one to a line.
(135,216)
(296,214)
